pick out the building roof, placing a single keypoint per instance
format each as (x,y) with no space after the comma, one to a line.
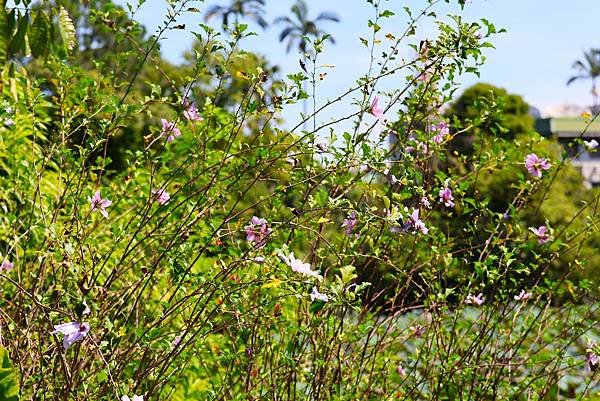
(568,127)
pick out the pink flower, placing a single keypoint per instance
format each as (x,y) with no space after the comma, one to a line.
(191,113)
(425,75)
(592,361)
(161,196)
(541,233)
(535,165)
(169,130)
(6,265)
(376,110)
(523,296)
(477,300)
(316,295)
(299,267)
(257,231)
(98,204)
(73,332)
(350,223)
(400,370)
(446,197)
(417,223)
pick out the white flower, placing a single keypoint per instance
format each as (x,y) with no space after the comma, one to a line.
(135,398)
(298,266)
(315,294)
(590,145)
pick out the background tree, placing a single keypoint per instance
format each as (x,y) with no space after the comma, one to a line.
(239,9)
(588,68)
(295,30)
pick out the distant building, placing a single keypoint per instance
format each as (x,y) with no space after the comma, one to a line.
(566,129)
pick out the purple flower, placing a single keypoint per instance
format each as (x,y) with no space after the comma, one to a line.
(523,296)
(98,204)
(161,196)
(257,231)
(6,265)
(350,223)
(376,110)
(446,197)
(541,233)
(299,267)
(191,113)
(73,332)
(477,300)
(316,295)
(169,130)
(535,165)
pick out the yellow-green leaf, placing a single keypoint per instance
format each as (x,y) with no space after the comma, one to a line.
(66,29)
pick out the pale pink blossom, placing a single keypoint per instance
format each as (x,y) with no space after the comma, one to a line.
(161,196)
(191,113)
(592,361)
(535,165)
(170,130)
(446,197)
(476,300)
(73,332)
(418,330)
(541,233)
(98,204)
(523,296)
(6,265)
(400,370)
(257,231)
(417,223)
(316,295)
(299,267)
(376,110)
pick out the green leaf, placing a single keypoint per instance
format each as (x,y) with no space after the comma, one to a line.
(3,32)
(18,43)
(39,35)
(348,274)
(9,383)
(66,29)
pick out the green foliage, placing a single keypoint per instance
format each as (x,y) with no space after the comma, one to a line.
(213,254)
(9,382)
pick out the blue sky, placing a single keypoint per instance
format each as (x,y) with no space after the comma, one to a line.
(533,58)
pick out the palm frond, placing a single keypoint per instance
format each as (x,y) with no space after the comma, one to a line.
(328,16)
